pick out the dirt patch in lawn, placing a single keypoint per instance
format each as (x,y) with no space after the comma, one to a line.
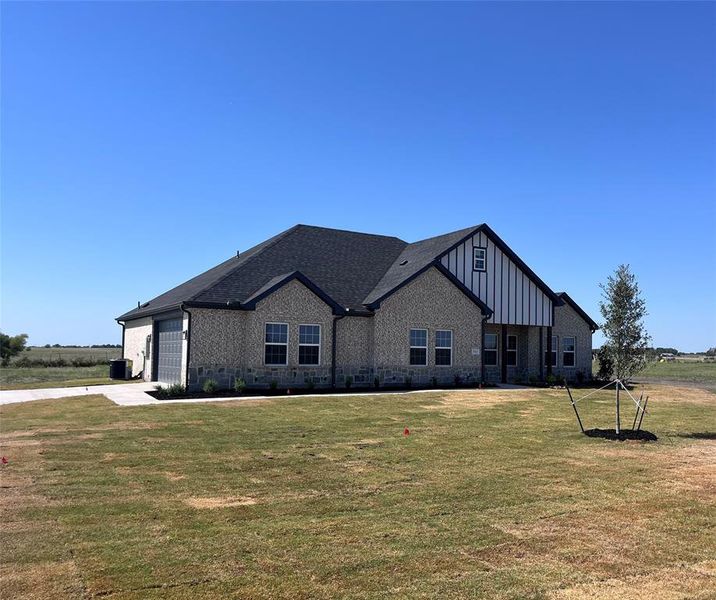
(219,502)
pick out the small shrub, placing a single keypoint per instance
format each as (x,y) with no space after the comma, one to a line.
(434,381)
(457,379)
(408,381)
(176,389)
(310,384)
(239,385)
(210,386)
(162,392)
(376,382)
(273,385)
(580,377)
(551,379)
(349,381)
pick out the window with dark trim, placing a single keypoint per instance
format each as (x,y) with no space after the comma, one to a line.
(491,348)
(511,350)
(276,344)
(419,347)
(443,348)
(309,344)
(568,351)
(479,259)
(552,360)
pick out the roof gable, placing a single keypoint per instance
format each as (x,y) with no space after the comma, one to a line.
(486,310)
(499,242)
(578,309)
(412,260)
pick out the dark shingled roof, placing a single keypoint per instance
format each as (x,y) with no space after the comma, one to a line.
(344,264)
(348,270)
(412,259)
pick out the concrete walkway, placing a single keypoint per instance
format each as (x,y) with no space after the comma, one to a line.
(120,393)
(133,394)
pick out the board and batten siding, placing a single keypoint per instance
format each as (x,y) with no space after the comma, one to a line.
(514,298)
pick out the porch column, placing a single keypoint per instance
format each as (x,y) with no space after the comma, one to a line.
(549,351)
(503,362)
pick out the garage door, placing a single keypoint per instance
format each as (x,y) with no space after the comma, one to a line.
(169,351)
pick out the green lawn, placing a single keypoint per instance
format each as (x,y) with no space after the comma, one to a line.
(493,494)
(694,371)
(15,378)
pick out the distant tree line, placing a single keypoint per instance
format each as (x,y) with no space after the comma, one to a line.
(76,346)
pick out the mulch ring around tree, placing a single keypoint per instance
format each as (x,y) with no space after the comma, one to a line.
(623,435)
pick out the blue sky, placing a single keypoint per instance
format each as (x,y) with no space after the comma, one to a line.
(583,133)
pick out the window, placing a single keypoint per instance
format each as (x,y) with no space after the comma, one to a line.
(490,349)
(419,347)
(276,344)
(479,259)
(568,351)
(309,344)
(552,360)
(511,350)
(443,348)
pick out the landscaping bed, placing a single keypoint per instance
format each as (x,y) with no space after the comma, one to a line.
(623,435)
(174,393)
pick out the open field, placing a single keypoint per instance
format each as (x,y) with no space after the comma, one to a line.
(23,378)
(494,494)
(46,354)
(678,370)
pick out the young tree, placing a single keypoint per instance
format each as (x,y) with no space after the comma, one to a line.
(627,340)
(623,310)
(11,346)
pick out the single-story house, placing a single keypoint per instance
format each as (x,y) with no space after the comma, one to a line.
(322,307)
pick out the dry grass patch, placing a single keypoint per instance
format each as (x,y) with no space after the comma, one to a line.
(212,503)
(683,582)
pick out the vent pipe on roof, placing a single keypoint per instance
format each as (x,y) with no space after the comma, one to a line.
(138,303)
(237,254)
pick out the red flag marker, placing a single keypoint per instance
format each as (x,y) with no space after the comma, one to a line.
(4,460)
(406,431)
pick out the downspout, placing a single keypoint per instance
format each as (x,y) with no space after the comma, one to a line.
(333,349)
(188,344)
(121,323)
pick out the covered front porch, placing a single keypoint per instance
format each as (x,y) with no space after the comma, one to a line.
(516,353)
